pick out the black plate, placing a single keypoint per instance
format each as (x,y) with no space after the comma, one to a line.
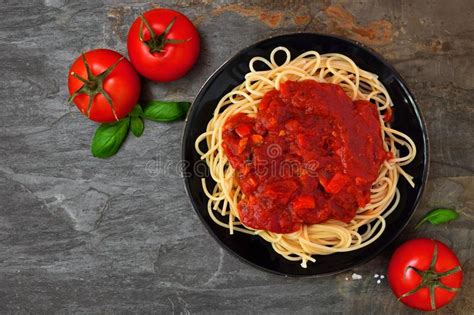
(407,118)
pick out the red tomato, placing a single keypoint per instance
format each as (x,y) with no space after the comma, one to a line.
(167,52)
(424,274)
(109,91)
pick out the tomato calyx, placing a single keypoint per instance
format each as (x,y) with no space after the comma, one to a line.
(156,43)
(431,279)
(93,85)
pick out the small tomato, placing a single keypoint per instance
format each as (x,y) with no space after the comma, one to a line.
(103,85)
(424,274)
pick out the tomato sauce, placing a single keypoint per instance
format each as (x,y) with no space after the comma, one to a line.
(311,154)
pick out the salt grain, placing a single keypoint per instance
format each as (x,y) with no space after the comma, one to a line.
(355,276)
(382,276)
(376,276)
(378,281)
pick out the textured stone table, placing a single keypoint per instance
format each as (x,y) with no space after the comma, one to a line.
(83,235)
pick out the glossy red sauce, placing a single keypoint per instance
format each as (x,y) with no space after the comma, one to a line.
(310,155)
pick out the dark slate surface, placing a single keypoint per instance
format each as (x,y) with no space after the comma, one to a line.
(82,235)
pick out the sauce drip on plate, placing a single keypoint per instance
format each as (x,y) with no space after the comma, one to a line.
(311,154)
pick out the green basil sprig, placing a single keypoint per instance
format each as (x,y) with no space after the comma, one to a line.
(137,111)
(438,216)
(109,137)
(137,126)
(165,111)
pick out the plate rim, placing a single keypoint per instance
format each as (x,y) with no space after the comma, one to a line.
(414,104)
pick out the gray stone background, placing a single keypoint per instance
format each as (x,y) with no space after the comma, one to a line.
(83,235)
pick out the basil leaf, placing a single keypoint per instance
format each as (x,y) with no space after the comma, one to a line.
(109,137)
(137,126)
(438,216)
(165,111)
(185,107)
(136,111)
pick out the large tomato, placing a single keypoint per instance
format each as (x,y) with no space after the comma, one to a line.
(103,85)
(163,45)
(424,274)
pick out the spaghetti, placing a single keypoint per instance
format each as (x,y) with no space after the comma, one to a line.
(331,236)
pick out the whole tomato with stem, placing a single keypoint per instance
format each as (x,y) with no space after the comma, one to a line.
(163,45)
(425,274)
(103,85)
